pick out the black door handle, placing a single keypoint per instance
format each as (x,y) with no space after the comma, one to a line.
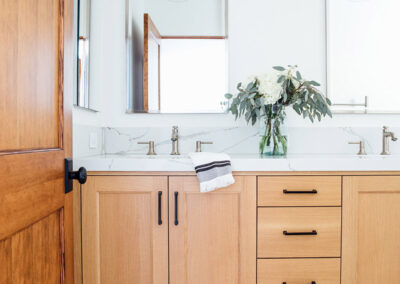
(159,207)
(312,233)
(314,191)
(176,208)
(70,175)
(312,282)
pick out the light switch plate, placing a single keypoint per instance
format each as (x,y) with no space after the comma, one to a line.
(93,140)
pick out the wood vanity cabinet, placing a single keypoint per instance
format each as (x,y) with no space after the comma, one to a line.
(212,238)
(122,240)
(204,238)
(296,229)
(371,230)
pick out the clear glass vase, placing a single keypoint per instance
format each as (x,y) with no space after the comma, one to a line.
(273,139)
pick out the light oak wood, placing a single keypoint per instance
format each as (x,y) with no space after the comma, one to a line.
(237,173)
(122,241)
(152,42)
(298,271)
(77,229)
(273,221)
(35,120)
(371,230)
(329,188)
(215,239)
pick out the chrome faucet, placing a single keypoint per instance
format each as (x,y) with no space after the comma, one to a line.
(385,142)
(175,141)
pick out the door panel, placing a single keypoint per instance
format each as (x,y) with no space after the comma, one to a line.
(122,240)
(371,230)
(29,80)
(215,238)
(33,255)
(35,122)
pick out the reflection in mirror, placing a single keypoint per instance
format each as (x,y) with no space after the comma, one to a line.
(179,49)
(363,54)
(83,54)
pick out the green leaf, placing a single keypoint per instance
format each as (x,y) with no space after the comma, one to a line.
(279,68)
(281,78)
(239,85)
(328,101)
(314,83)
(228,96)
(298,75)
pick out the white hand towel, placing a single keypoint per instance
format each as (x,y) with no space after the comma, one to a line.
(213,170)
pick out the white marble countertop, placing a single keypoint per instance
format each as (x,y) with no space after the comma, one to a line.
(245,162)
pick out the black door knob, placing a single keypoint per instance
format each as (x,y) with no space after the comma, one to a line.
(70,175)
(80,175)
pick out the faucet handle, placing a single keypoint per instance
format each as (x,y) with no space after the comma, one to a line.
(199,143)
(151,147)
(362,147)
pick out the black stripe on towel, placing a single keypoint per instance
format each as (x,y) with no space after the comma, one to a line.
(212,163)
(213,166)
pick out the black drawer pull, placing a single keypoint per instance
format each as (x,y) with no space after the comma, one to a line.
(314,191)
(176,209)
(312,282)
(312,233)
(159,207)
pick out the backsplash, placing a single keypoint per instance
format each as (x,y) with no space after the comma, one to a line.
(232,140)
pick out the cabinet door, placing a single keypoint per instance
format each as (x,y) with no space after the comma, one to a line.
(212,235)
(123,241)
(371,230)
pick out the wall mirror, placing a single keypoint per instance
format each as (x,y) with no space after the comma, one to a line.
(363,55)
(176,56)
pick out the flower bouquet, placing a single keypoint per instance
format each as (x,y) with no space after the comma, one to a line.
(266,97)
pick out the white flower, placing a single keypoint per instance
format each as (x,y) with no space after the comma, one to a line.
(269,87)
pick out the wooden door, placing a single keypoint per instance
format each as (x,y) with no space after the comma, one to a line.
(123,240)
(371,230)
(36,56)
(213,237)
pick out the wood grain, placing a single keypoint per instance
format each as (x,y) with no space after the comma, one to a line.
(34,211)
(244,173)
(30,33)
(5,262)
(371,230)
(270,191)
(35,252)
(215,240)
(122,241)
(298,271)
(273,243)
(66,133)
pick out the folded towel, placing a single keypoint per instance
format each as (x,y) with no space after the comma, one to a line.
(213,170)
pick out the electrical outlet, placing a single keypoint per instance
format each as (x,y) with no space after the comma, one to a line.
(93,141)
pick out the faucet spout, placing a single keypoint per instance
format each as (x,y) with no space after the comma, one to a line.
(385,142)
(175,141)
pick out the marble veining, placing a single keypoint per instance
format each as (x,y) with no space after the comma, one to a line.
(232,140)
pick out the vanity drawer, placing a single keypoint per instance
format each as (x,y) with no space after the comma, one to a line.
(299,232)
(298,271)
(300,191)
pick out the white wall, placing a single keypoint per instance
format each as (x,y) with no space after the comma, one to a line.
(188,18)
(264,38)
